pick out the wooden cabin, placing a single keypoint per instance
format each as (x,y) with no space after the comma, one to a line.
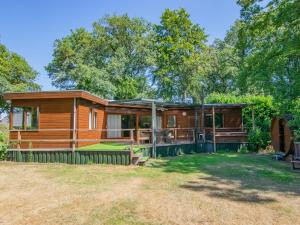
(71,119)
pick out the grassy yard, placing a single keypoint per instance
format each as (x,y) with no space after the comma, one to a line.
(109,146)
(193,189)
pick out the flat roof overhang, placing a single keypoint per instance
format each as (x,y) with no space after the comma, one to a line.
(148,103)
(54,95)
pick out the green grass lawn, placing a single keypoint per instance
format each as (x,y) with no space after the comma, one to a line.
(222,188)
(109,146)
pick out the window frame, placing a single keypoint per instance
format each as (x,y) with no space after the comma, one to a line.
(175,122)
(95,119)
(210,115)
(25,110)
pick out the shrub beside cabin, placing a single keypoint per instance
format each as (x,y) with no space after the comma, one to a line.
(72,119)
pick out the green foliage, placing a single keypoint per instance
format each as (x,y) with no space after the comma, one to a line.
(268,43)
(15,74)
(295,123)
(257,138)
(180,61)
(243,149)
(3,142)
(111,61)
(223,68)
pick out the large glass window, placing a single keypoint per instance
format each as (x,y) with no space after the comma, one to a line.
(171,121)
(25,118)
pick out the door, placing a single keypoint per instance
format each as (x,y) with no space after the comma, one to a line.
(113,126)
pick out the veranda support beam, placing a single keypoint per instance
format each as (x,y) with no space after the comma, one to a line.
(153,129)
(214,128)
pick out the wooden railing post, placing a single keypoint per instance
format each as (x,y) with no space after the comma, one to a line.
(19,140)
(214,127)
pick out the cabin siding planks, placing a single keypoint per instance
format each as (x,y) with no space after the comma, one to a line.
(83,122)
(53,114)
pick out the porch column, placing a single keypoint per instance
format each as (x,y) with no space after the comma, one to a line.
(137,128)
(214,127)
(153,129)
(196,126)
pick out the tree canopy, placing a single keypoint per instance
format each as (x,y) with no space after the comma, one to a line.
(15,73)
(269,47)
(180,61)
(112,60)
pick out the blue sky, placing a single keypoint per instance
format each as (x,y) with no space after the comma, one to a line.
(30,27)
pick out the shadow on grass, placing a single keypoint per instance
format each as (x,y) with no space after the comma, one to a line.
(228,193)
(243,177)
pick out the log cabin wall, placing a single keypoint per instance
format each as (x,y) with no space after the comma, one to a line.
(53,114)
(84,133)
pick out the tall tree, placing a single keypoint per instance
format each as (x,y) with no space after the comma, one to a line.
(113,60)
(223,67)
(180,62)
(15,74)
(270,48)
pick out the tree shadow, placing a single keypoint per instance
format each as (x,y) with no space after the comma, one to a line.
(249,174)
(232,194)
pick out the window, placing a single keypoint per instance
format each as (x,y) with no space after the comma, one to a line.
(25,118)
(95,120)
(209,120)
(171,121)
(18,118)
(90,119)
(127,122)
(145,122)
(219,120)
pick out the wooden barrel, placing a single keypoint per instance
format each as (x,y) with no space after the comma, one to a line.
(281,135)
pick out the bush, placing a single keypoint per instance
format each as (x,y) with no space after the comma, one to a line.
(3,143)
(257,139)
(295,123)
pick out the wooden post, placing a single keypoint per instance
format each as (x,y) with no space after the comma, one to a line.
(214,127)
(19,140)
(253,119)
(11,118)
(137,128)
(74,124)
(153,129)
(196,131)
(242,120)
(131,144)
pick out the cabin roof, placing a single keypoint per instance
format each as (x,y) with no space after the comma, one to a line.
(91,97)
(54,95)
(148,102)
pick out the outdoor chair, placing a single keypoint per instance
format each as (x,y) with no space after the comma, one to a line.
(296,157)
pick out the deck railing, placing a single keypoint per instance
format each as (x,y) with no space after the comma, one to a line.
(66,139)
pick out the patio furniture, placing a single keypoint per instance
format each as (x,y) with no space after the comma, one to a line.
(296,156)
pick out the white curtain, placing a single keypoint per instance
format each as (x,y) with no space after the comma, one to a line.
(158,122)
(114,126)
